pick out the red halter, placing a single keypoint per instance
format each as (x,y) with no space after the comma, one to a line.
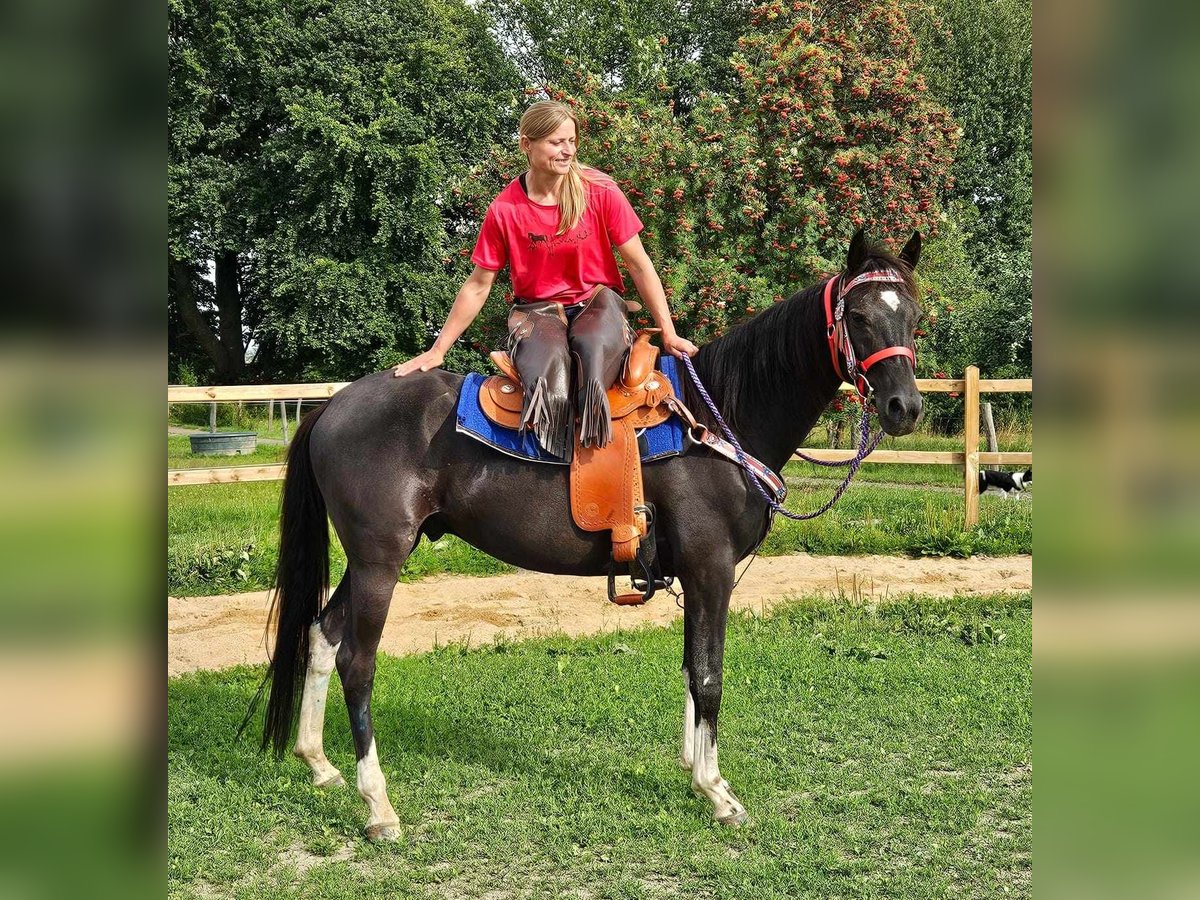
(836,333)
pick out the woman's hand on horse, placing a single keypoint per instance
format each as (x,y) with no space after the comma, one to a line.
(430,359)
(678,346)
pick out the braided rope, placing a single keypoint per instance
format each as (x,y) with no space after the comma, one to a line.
(866,447)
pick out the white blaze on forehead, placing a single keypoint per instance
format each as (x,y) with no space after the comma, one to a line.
(890,298)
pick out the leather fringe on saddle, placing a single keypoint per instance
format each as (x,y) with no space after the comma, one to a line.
(537,345)
(595,423)
(549,419)
(543,347)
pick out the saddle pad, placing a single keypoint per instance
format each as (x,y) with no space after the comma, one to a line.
(658,442)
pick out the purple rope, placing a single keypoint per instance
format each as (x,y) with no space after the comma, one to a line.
(866,447)
(864,428)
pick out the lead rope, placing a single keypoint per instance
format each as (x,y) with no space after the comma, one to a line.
(866,446)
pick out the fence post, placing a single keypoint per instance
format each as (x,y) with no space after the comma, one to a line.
(989,423)
(971,445)
(283,420)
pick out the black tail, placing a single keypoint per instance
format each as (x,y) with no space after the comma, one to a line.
(301,585)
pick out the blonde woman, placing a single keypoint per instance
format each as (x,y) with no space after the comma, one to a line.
(555,227)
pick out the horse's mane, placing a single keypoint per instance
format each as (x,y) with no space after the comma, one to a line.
(781,349)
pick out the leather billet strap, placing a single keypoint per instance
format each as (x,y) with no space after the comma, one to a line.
(700,435)
(840,345)
(771,481)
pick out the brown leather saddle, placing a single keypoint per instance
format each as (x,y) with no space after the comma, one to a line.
(606,482)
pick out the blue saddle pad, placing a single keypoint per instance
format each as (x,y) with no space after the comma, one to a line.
(658,442)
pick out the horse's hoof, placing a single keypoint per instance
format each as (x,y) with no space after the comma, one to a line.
(733,820)
(333,781)
(384,831)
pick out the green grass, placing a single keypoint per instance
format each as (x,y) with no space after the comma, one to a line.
(913,521)
(180,456)
(223,538)
(880,751)
(253,417)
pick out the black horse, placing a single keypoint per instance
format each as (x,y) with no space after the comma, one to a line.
(383,460)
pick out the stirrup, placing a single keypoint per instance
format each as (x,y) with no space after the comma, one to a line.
(650,578)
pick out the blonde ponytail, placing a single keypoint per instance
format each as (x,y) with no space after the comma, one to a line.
(539,121)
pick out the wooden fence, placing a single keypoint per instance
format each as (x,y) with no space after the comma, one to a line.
(970,387)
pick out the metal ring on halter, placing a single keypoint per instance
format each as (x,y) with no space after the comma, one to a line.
(697,428)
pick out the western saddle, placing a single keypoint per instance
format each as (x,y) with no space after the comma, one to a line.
(606,482)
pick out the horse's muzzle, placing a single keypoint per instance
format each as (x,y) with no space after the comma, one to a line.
(900,412)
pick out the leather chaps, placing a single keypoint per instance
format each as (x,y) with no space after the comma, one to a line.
(549,352)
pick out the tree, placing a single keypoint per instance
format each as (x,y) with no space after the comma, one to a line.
(978,57)
(626,47)
(312,147)
(753,193)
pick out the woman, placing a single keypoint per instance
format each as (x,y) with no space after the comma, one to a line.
(555,227)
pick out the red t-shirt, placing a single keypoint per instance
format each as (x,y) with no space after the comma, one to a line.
(545,265)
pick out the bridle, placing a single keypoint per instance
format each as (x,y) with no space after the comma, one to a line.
(840,347)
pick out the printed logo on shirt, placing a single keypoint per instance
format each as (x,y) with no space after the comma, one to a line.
(551,244)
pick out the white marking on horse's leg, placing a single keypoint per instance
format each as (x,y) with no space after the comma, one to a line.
(383,824)
(707,780)
(687,753)
(890,298)
(310,743)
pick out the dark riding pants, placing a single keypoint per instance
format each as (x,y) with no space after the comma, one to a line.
(550,344)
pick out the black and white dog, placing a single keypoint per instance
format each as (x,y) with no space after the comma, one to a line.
(1012,483)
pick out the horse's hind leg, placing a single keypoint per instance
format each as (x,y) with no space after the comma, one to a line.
(371,595)
(324,637)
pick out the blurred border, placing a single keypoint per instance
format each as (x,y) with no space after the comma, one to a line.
(1117,624)
(82,371)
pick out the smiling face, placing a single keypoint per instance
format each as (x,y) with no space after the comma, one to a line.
(551,155)
(880,315)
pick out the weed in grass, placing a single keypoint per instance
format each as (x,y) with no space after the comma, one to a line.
(217,567)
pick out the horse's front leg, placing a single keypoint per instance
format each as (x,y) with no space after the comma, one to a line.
(706,611)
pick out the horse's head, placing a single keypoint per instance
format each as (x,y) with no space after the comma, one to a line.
(880,322)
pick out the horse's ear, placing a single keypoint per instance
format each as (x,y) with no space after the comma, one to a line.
(857,255)
(912,250)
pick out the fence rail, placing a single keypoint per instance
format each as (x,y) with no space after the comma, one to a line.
(971,458)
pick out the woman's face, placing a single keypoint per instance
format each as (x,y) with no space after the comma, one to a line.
(552,155)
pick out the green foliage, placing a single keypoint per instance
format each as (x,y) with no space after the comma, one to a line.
(221,569)
(345,153)
(978,58)
(750,194)
(317,141)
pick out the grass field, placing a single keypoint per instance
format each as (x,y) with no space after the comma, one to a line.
(180,456)
(223,538)
(881,752)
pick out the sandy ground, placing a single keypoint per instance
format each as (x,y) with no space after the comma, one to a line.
(215,632)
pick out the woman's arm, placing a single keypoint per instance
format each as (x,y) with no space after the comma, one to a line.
(467,304)
(644,276)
